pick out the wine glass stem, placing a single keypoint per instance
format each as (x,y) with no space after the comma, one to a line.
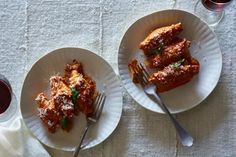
(174,4)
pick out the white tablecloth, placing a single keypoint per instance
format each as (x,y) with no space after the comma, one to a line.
(31,28)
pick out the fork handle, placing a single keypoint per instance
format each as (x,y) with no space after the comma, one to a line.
(185,137)
(78,148)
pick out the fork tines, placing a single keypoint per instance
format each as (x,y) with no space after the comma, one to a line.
(145,73)
(140,73)
(99,104)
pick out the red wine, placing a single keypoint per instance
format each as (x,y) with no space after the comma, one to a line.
(5,96)
(215,5)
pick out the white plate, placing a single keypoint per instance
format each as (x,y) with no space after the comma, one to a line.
(204,47)
(37,80)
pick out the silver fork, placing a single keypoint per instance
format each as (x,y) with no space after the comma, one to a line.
(150,89)
(92,118)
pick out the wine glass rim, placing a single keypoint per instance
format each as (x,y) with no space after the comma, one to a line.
(220,2)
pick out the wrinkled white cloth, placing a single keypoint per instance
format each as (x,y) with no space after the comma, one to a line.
(16,141)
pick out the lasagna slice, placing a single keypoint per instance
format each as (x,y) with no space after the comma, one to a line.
(61,95)
(48,112)
(83,85)
(58,111)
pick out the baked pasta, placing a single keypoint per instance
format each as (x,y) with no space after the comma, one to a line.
(174,75)
(160,37)
(169,57)
(70,94)
(172,53)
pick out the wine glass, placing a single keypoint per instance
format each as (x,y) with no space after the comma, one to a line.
(8,105)
(211,11)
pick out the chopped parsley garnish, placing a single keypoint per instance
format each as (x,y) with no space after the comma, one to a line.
(159,49)
(177,64)
(75,94)
(64,122)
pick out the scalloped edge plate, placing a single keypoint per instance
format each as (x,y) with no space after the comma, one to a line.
(37,80)
(204,47)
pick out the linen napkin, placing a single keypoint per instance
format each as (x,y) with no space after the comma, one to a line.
(16,141)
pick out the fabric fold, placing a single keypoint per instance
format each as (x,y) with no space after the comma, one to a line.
(17,141)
